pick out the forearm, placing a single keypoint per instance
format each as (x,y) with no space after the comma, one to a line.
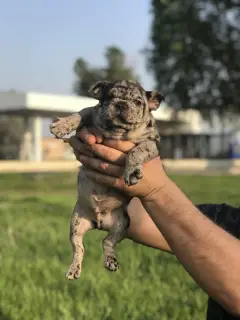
(142,229)
(209,253)
(202,247)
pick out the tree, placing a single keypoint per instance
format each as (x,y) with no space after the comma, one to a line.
(11,134)
(195,50)
(86,76)
(116,68)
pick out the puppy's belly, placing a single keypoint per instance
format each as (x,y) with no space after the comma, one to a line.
(95,198)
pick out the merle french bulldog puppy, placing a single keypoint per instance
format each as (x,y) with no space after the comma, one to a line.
(124,113)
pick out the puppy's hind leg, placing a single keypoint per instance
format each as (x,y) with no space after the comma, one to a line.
(80,224)
(118,231)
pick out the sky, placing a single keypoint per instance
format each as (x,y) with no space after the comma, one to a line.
(40,40)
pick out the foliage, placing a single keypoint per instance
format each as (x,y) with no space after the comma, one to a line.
(35,253)
(195,50)
(116,68)
(11,133)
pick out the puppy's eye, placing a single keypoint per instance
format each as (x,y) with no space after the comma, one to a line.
(138,103)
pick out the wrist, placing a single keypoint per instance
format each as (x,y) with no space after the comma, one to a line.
(158,191)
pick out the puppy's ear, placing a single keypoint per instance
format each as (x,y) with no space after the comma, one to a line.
(154,99)
(98,89)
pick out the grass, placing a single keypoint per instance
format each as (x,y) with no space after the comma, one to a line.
(35,253)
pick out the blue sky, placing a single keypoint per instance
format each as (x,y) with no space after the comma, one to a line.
(40,40)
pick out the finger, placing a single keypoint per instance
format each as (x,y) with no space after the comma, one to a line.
(86,136)
(100,166)
(97,135)
(90,135)
(109,154)
(78,154)
(124,146)
(105,179)
(79,147)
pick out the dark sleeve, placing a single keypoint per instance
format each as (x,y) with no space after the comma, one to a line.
(226,216)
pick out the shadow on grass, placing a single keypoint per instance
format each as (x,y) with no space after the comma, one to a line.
(3,316)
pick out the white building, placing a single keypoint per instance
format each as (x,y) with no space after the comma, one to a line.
(38,109)
(34,107)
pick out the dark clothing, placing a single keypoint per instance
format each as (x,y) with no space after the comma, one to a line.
(228,218)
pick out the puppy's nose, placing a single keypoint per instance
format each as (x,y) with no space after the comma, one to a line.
(121,106)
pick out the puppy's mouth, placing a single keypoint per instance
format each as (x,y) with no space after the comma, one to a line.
(115,126)
(111,124)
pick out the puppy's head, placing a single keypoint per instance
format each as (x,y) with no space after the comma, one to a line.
(124,103)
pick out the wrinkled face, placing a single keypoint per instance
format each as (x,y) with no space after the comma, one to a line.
(124,103)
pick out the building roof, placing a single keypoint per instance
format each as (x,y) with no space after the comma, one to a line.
(45,105)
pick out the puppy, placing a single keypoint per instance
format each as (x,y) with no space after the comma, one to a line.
(124,113)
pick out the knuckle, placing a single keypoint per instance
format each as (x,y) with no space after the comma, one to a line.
(103,166)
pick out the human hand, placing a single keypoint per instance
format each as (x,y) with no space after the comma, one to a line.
(89,142)
(104,160)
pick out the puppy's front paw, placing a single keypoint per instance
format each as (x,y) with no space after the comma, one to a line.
(60,127)
(132,175)
(73,272)
(111,264)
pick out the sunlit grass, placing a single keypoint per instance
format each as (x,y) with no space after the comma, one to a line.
(35,253)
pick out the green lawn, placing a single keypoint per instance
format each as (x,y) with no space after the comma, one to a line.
(35,253)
